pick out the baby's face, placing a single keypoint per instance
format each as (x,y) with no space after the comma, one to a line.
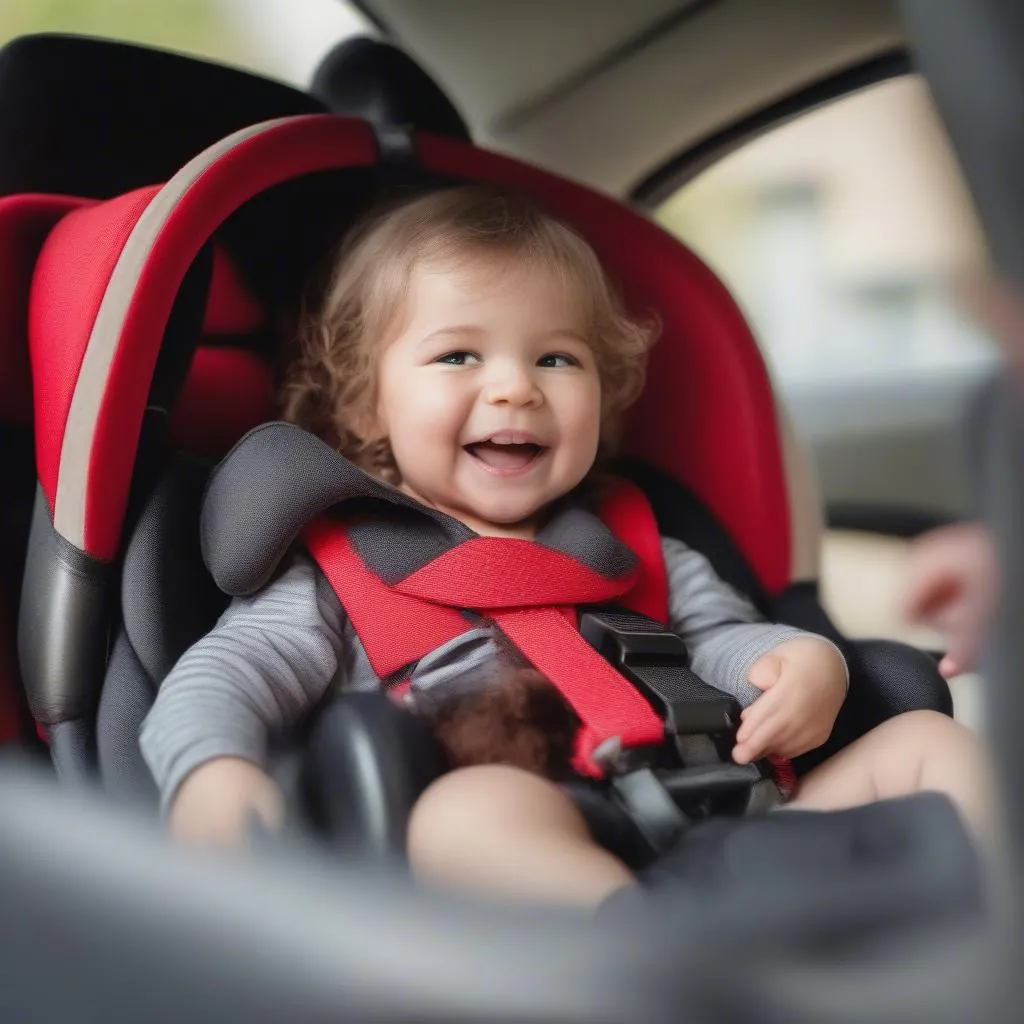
(490,395)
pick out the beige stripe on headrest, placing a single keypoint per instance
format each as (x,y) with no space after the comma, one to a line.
(805,513)
(76,448)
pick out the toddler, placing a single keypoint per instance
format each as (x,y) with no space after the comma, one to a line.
(470,351)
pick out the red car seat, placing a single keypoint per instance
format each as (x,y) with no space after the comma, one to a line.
(51,151)
(125,290)
(23,226)
(70,117)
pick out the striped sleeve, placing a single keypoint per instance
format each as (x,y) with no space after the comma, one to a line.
(723,630)
(269,659)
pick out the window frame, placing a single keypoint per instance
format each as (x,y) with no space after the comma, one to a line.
(686,165)
(680,169)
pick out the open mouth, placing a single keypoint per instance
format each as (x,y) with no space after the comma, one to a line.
(506,452)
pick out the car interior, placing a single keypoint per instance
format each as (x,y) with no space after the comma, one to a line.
(160,216)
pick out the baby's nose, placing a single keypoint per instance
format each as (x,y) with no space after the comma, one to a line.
(513,384)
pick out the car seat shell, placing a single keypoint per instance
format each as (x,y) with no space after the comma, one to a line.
(707,420)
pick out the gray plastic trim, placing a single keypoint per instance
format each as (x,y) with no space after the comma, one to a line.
(62,623)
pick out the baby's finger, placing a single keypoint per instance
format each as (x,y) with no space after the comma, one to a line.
(765,708)
(757,743)
(752,717)
(793,743)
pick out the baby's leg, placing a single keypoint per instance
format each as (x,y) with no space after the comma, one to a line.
(916,751)
(509,833)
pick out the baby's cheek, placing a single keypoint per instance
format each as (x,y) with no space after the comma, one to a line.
(591,411)
(426,420)
(586,435)
(441,415)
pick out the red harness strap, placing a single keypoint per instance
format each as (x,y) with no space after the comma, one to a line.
(531,592)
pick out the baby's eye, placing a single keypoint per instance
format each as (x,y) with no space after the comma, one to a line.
(458,358)
(557,359)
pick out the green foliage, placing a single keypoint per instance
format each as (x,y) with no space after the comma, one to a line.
(191,26)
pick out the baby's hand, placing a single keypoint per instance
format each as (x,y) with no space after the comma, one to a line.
(804,685)
(216,802)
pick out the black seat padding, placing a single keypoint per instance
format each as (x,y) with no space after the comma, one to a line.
(354,769)
(77,114)
(366,78)
(168,602)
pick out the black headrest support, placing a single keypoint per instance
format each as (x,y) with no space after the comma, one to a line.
(366,78)
(92,117)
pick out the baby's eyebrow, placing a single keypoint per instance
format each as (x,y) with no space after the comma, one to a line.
(456,330)
(567,333)
(473,331)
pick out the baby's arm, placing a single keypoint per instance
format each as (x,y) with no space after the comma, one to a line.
(769,668)
(269,659)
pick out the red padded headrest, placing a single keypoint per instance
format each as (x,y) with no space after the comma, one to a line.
(104,287)
(231,308)
(228,392)
(25,221)
(68,286)
(196,423)
(707,418)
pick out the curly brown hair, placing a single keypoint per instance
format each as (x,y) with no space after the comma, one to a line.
(330,387)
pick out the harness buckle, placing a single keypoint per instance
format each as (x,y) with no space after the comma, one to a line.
(657,663)
(664,788)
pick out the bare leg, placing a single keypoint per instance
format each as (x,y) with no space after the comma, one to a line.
(916,751)
(509,833)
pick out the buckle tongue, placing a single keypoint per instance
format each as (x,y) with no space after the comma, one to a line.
(657,663)
(664,788)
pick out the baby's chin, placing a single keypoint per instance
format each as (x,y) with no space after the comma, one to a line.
(502,519)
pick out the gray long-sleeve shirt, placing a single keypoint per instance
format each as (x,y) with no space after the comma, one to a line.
(272,656)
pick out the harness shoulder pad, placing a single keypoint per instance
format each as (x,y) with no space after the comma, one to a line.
(277,479)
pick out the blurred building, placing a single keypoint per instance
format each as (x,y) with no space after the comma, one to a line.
(841,234)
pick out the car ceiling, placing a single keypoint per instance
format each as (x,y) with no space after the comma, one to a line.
(605,91)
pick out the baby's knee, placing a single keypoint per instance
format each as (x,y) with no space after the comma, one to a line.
(924,746)
(470,808)
(923,729)
(456,802)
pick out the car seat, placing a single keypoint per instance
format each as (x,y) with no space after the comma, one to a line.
(51,150)
(125,337)
(70,117)
(24,223)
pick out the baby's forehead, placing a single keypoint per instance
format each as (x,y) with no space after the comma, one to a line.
(474,275)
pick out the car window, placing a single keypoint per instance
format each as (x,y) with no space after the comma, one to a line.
(282,39)
(843,234)
(840,233)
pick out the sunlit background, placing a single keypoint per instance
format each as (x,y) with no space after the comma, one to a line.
(840,234)
(283,39)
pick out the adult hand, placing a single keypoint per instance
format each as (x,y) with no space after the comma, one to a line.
(952,587)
